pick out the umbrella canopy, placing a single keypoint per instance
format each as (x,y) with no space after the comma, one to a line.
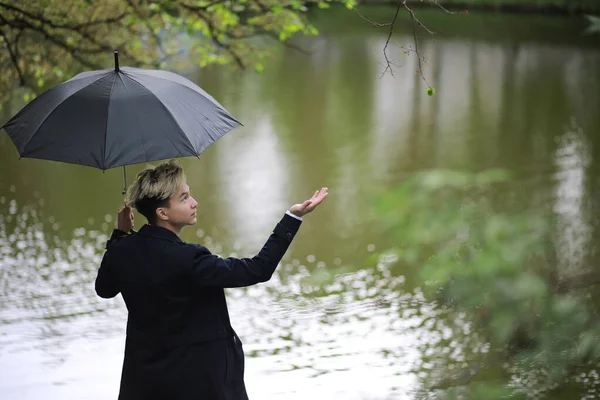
(121,116)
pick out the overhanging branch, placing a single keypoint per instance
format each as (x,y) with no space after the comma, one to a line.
(13,57)
(415,22)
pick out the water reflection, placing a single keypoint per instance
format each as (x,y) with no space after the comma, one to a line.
(573,158)
(250,195)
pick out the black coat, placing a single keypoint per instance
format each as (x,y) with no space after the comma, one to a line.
(180,344)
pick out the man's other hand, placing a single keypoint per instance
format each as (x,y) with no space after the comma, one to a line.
(125,219)
(309,205)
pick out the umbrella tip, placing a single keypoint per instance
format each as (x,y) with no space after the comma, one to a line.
(116,60)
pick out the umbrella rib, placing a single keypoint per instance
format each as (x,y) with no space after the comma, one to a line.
(53,111)
(136,118)
(106,126)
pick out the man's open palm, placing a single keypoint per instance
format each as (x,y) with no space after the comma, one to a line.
(309,205)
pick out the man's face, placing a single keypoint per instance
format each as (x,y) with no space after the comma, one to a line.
(182,208)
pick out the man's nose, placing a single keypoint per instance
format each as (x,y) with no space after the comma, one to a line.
(194,203)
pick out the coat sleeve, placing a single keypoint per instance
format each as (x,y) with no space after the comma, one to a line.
(211,270)
(106,284)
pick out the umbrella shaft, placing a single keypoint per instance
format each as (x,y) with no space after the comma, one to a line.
(124,180)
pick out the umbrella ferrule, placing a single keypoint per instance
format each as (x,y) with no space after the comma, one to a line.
(116,61)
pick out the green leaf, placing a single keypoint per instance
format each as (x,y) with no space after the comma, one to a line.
(198,25)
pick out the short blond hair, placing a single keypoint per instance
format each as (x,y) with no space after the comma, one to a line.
(153,187)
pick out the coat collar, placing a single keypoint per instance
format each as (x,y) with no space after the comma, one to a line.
(159,232)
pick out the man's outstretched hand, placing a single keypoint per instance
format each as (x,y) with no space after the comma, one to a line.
(309,205)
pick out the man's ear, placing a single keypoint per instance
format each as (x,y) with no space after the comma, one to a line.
(161,214)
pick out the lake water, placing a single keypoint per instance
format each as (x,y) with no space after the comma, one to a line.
(514,92)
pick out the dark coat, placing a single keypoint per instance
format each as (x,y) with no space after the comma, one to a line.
(180,344)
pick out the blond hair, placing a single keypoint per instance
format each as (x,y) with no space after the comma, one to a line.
(153,187)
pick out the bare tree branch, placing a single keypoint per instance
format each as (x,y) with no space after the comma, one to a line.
(88,45)
(13,57)
(412,15)
(415,19)
(415,22)
(387,60)
(443,8)
(74,51)
(76,27)
(375,23)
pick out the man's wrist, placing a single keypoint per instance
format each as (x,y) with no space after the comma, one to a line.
(291,214)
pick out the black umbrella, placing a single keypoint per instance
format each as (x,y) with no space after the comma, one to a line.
(116,117)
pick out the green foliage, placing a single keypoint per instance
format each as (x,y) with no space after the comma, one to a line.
(48,41)
(497,268)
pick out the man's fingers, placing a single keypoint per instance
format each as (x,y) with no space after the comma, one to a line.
(319,192)
(320,198)
(322,193)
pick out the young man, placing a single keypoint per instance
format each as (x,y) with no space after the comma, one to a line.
(180,344)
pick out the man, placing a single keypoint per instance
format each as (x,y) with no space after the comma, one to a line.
(180,344)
